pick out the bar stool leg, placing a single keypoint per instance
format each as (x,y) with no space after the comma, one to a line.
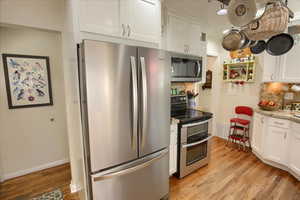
(228,138)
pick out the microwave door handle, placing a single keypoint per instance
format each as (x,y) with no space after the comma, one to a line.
(135,102)
(145,103)
(199,69)
(196,143)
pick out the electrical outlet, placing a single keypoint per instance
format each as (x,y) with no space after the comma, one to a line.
(289,96)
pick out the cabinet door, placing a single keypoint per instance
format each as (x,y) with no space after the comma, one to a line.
(257,134)
(177,35)
(173,149)
(294,147)
(289,62)
(144,20)
(173,162)
(100,16)
(289,71)
(276,145)
(270,68)
(195,45)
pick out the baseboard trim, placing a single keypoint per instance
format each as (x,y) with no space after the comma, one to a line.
(74,188)
(34,169)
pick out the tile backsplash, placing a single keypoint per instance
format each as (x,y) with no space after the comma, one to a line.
(280,93)
(183,87)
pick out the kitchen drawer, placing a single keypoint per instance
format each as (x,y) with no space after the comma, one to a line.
(280,123)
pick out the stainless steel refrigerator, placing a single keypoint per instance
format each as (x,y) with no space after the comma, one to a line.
(125,102)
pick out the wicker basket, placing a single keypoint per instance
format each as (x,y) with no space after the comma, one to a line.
(269,108)
(273,22)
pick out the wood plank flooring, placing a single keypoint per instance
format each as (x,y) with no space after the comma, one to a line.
(35,184)
(235,175)
(230,175)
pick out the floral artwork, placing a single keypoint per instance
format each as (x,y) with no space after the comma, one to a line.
(27,80)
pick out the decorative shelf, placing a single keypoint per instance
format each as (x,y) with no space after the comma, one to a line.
(239,72)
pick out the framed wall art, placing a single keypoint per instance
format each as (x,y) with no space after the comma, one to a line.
(28,80)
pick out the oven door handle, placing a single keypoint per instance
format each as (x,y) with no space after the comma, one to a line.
(196,143)
(195,124)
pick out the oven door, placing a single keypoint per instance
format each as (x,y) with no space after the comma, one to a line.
(193,156)
(195,147)
(186,69)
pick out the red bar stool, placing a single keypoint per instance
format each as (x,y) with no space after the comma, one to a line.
(239,127)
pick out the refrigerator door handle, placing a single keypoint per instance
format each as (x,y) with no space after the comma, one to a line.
(130,170)
(135,102)
(145,103)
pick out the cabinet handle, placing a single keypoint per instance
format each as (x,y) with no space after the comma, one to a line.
(123,30)
(285,135)
(272,77)
(278,123)
(129,30)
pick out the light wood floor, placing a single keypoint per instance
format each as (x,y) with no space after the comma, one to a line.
(35,184)
(230,175)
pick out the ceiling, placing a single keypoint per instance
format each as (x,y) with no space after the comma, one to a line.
(205,13)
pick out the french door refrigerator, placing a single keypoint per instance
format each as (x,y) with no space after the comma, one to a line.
(125,106)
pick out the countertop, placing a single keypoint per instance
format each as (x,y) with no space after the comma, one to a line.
(288,115)
(174,121)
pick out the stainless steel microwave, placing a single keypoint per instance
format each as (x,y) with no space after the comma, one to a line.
(185,68)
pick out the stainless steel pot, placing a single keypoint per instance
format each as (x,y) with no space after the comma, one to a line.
(242,12)
(234,39)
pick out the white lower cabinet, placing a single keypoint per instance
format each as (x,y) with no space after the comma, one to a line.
(277,142)
(258,127)
(173,150)
(294,149)
(276,145)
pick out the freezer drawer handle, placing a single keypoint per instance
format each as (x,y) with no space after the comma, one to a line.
(196,143)
(130,170)
(135,102)
(145,103)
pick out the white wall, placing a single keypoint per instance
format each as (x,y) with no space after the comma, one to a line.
(28,139)
(224,97)
(44,14)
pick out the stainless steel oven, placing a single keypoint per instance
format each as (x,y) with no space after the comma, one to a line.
(194,146)
(186,68)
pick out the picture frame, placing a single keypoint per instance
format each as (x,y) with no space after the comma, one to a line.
(28,80)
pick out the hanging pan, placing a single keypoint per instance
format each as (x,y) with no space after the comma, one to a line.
(280,44)
(258,47)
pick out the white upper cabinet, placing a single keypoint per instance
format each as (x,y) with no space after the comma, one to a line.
(196,45)
(177,35)
(283,68)
(258,132)
(289,62)
(145,20)
(138,20)
(185,36)
(101,17)
(270,68)
(294,148)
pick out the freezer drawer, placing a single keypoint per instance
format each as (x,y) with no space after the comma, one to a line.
(147,180)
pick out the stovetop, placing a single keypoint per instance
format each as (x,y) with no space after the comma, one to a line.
(190,115)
